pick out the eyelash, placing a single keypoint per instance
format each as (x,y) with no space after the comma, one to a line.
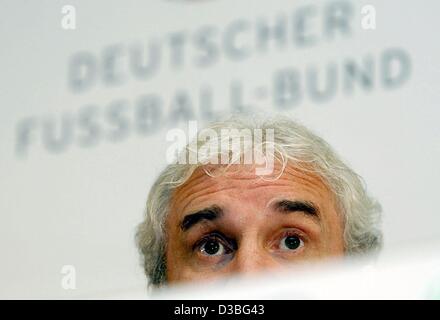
(292,233)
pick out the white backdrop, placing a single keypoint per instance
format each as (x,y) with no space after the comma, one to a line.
(84,115)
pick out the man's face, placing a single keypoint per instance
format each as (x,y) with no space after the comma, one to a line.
(238,222)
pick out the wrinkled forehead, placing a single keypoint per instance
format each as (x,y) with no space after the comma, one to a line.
(207,183)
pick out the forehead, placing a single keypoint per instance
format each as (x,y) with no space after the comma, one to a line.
(239,182)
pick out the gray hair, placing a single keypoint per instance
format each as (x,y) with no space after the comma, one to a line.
(294,143)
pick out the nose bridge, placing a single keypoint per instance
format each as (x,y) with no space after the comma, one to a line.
(251,255)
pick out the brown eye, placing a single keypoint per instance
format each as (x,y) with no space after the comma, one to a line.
(212,247)
(291,242)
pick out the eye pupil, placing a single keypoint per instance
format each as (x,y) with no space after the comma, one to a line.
(292,242)
(211,247)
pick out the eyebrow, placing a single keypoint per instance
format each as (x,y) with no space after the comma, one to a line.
(307,207)
(210,213)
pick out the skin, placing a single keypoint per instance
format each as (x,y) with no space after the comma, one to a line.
(251,232)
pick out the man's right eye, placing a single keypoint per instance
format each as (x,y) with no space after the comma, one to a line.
(213,246)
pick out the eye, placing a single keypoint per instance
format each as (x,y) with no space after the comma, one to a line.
(291,242)
(215,245)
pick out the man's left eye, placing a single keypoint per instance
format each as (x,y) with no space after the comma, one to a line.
(291,242)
